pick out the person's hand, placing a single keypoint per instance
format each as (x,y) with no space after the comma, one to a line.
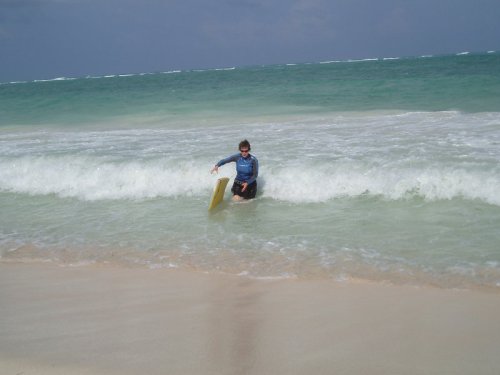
(215,169)
(244,186)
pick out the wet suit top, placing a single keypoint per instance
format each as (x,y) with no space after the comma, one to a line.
(247,168)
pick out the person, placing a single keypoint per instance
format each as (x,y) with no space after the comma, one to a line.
(247,170)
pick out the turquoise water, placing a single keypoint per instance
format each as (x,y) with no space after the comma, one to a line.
(376,169)
(464,83)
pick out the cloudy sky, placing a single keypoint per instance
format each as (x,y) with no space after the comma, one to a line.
(54,38)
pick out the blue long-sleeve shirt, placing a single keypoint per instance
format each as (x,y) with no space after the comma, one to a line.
(247,169)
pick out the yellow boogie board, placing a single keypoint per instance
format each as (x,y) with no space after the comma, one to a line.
(218,194)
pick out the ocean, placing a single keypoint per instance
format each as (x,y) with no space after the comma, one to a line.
(385,170)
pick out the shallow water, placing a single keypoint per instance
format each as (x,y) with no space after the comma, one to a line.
(375,192)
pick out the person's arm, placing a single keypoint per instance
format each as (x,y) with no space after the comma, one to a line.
(228,160)
(224,161)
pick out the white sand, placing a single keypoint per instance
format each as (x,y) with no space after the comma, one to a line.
(105,320)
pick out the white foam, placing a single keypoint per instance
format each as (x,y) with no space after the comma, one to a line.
(334,157)
(463,53)
(55,79)
(91,179)
(361,60)
(13,82)
(231,68)
(94,179)
(351,180)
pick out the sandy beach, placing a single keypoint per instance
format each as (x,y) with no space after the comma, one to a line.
(110,320)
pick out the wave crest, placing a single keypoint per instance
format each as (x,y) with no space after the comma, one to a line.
(94,179)
(90,178)
(317,185)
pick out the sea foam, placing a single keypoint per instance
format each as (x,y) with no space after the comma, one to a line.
(429,184)
(90,178)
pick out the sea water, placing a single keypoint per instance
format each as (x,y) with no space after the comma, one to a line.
(383,169)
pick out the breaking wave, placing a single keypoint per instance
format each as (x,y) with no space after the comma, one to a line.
(92,178)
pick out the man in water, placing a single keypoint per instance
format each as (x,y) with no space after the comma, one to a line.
(247,169)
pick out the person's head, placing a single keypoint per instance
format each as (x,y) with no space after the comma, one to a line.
(244,147)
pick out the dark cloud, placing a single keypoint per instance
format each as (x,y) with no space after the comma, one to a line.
(16,4)
(48,38)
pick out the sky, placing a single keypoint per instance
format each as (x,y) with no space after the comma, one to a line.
(44,39)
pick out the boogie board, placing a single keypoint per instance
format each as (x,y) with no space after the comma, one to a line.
(218,194)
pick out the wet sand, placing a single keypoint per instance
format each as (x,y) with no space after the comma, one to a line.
(111,320)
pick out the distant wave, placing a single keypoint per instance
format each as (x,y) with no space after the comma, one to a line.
(55,79)
(349,60)
(125,75)
(213,69)
(13,82)
(231,68)
(361,60)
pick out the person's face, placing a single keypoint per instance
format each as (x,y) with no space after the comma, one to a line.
(244,151)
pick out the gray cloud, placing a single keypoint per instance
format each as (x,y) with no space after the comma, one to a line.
(5,4)
(47,38)
(4,33)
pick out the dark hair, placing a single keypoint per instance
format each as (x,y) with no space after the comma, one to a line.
(244,143)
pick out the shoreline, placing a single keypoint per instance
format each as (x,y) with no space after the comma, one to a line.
(413,279)
(111,320)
